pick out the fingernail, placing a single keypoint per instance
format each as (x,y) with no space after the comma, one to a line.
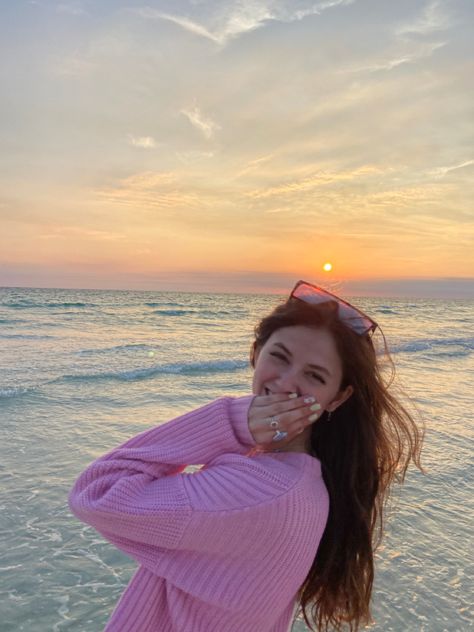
(293,395)
(313,417)
(315,407)
(309,400)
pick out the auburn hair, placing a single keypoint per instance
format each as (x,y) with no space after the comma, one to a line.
(366,445)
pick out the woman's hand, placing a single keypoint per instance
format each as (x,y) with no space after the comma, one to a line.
(289,413)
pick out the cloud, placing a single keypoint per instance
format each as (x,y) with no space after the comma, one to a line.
(205,125)
(185,23)
(432,19)
(229,22)
(193,155)
(71,8)
(76,231)
(408,42)
(254,165)
(73,66)
(420,51)
(150,190)
(147,142)
(439,172)
(321,178)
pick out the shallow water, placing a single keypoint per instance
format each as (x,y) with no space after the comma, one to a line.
(81,371)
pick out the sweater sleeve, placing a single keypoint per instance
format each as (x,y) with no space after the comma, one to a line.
(137,495)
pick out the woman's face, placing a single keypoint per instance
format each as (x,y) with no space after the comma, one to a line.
(301,360)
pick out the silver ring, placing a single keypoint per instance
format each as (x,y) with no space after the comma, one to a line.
(279,435)
(273,422)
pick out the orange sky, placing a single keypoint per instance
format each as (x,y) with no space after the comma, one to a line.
(216,146)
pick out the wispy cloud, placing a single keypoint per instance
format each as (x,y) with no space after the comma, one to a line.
(150,190)
(185,23)
(409,42)
(439,172)
(71,8)
(410,55)
(321,178)
(235,19)
(73,65)
(76,231)
(192,156)
(254,165)
(432,18)
(146,142)
(205,125)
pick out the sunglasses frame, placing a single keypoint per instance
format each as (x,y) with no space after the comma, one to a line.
(332,297)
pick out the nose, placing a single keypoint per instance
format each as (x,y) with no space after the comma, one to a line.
(287,382)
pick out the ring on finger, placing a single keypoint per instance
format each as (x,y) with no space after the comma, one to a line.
(274,422)
(279,435)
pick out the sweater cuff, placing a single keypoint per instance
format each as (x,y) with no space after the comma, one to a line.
(239,417)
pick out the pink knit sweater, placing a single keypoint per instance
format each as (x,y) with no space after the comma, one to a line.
(225,548)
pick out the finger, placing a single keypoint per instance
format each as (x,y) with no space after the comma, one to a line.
(281,402)
(292,423)
(298,406)
(274,398)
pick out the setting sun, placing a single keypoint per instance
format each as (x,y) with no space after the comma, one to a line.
(327,267)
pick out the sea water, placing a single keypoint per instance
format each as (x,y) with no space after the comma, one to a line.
(82,371)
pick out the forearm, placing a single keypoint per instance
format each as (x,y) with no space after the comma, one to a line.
(136,480)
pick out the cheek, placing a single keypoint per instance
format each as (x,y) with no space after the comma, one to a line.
(261,374)
(254,383)
(325,393)
(256,379)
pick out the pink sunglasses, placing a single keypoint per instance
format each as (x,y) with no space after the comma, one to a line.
(350,315)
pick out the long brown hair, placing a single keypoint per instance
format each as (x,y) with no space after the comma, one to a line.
(366,445)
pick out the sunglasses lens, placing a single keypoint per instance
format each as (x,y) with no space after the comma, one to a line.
(357,321)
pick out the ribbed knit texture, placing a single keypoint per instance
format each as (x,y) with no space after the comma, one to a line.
(225,548)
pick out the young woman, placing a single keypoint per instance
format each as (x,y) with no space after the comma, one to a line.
(287,508)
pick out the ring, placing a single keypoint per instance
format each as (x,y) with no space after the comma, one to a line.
(279,435)
(273,422)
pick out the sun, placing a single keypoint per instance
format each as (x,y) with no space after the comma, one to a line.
(327,267)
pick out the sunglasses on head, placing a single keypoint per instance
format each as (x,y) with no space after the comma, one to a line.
(348,314)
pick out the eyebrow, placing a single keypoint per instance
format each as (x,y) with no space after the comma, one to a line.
(313,366)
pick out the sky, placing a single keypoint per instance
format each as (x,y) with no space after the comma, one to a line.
(238,146)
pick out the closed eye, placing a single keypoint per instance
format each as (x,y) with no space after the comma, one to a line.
(278,355)
(315,376)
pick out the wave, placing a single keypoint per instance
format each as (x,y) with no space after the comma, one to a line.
(438,346)
(196,312)
(14,391)
(191,368)
(136,346)
(10,321)
(26,336)
(164,304)
(174,312)
(383,309)
(33,305)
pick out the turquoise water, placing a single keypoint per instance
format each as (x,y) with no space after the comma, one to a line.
(81,371)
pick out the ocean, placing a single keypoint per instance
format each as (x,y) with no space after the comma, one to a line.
(83,370)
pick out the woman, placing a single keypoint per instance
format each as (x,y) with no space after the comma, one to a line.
(287,508)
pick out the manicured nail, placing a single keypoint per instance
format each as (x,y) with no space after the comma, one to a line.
(309,400)
(313,417)
(293,395)
(315,407)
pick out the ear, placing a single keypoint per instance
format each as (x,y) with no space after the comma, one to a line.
(340,399)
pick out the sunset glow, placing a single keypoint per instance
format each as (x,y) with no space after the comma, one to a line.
(225,146)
